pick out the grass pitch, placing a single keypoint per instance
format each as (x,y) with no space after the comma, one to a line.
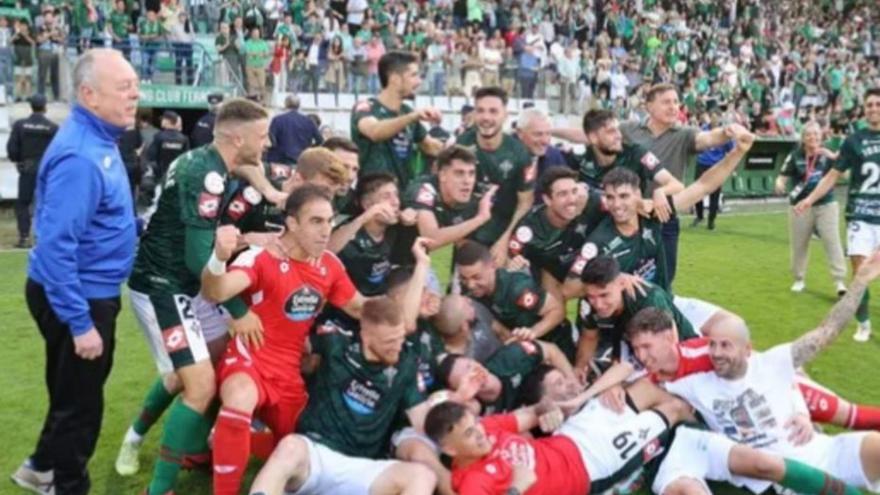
(742,266)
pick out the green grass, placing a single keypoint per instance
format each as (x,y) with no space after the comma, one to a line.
(743,266)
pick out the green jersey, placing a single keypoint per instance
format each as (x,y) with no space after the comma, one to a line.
(193,194)
(354,403)
(120,23)
(550,248)
(860,154)
(396,155)
(634,157)
(805,175)
(517,302)
(256,53)
(510,167)
(640,254)
(368,261)
(151,29)
(427,345)
(424,194)
(511,364)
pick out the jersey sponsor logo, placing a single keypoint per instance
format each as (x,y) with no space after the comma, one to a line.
(237,208)
(174,339)
(524,234)
(209,205)
(361,398)
(528,299)
(379,272)
(427,195)
(651,450)
(650,160)
(214,183)
(589,251)
(578,267)
(303,304)
(516,451)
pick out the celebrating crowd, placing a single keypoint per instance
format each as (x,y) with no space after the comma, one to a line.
(299,297)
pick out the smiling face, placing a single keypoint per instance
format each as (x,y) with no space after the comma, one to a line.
(467,439)
(607,300)
(607,139)
(657,351)
(872,111)
(491,114)
(729,348)
(478,279)
(563,199)
(664,107)
(622,202)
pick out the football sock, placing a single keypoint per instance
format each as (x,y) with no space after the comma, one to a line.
(862,314)
(158,399)
(801,478)
(186,432)
(862,417)
(232,446)
(821,403)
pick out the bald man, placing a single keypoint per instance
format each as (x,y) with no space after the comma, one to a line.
(86,250)
(752,398)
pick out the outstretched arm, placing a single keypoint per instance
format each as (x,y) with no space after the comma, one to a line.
(715,177)
(804,349)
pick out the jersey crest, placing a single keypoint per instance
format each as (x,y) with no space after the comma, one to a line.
(303,304)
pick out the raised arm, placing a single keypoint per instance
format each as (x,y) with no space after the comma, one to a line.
(256,177)
(378,131)
(805,348)
(217,284)
(715,177)
(572,134)
(412,301)
(441,236)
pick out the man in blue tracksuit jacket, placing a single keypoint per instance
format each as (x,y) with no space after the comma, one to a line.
(85,233)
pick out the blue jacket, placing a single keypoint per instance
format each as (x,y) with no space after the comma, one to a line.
(84,221)
(291,132)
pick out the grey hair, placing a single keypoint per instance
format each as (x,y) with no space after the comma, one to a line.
(529,115)
(291,102)
(84,69)
(812,125)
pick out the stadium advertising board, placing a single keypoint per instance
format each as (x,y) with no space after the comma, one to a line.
(172,96)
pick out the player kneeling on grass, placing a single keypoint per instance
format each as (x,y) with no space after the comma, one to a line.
(751,398)
(286,284)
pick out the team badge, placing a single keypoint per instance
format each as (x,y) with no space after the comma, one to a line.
(303,304)
(426,195)
(524,234)
(650,161)
(209,205)
(108,161)
(284,267)
(214,183)
(514,246)
(589,251)
(530,172)
(251,195)
(237,208)
(174,339)
(528,300)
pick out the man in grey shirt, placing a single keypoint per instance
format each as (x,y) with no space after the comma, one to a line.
(671,142)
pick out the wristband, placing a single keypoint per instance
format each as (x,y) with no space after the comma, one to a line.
(215,266)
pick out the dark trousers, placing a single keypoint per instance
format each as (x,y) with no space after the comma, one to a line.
(27,182)
(670,232)
(714,197)
(183,63)
(47,62)
(76,392)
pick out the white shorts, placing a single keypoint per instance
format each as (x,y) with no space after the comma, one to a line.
(213,318)
(838,455)
(609,441)
(696,311)
(332,472)
(695,454)
(862,238)
(172,325)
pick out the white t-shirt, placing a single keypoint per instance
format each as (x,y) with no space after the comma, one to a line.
(754,409)
(356,9)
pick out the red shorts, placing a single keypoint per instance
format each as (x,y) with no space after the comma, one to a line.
(281,398)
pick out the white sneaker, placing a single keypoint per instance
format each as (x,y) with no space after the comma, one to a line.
(40,482)
(841,289)
(798,286)
(863,333)
(127,462)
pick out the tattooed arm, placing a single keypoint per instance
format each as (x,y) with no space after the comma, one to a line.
(808,346)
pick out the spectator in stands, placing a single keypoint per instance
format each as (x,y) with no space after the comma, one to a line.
(182,37)
(257,56)
(291,132)
(335,75)
(315,57)
(374,51)
(281,58)
(50,40)
(150,34)
(119,28)
(6,57)
(358,67)
(230,48)
(25,147)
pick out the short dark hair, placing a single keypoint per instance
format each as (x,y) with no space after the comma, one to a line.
(531,390)
(371,182)
(649,320)
(340,143)
(619,176)
(381,310)
(455,152)
(398,276)
(304,195)
(600,271)
(444,369)
(442,418)
(394,62)
(875,91)
(553,174)
(491,91)
(657,90)
(596,119)
(239,110)
(471,252)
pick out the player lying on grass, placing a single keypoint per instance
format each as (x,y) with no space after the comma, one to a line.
(590,451)
(751,398)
